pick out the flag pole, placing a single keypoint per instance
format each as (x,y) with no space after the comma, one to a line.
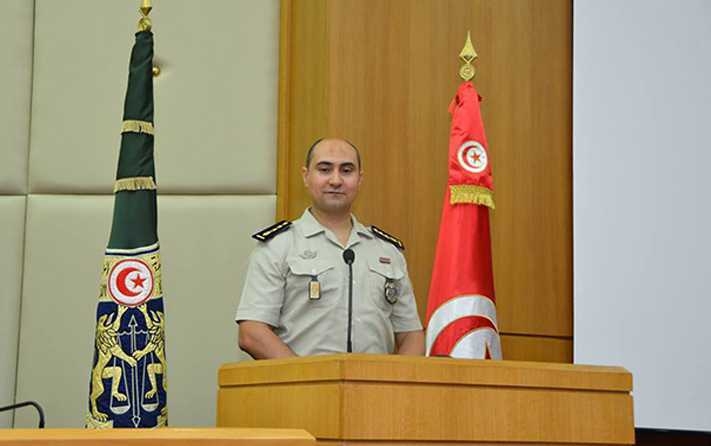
(467,55)
(144,23)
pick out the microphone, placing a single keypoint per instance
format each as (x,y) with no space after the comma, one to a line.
(349,257)
(27,403)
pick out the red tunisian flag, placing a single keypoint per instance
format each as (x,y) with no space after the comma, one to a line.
(461,308)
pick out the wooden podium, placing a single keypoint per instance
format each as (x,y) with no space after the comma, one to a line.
(404,400)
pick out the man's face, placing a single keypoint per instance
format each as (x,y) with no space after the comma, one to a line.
(333,176)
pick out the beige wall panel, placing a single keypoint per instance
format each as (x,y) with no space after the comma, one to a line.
(15,83)
(216,99)
(12,220)
(205,244)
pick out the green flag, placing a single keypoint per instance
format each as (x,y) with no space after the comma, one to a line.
(128,377)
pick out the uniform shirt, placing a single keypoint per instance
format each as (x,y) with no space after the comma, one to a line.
(276,290)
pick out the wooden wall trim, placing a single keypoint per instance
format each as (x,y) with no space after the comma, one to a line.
(284,111)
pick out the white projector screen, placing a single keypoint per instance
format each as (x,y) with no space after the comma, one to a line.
(642,214)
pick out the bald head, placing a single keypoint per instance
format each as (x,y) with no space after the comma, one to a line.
(310,152)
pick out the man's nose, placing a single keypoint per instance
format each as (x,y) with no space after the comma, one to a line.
(335,179)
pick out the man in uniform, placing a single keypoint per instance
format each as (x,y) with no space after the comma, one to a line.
(295,300)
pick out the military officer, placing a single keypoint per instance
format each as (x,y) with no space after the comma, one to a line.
(296,297)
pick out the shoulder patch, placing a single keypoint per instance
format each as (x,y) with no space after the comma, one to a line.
(267,234)
(387,237)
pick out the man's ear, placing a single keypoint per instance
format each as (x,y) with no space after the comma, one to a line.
(304,171)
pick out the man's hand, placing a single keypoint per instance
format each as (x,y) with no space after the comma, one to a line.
(410,343)
(258,339)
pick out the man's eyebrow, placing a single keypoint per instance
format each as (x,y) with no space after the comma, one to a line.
(331,163)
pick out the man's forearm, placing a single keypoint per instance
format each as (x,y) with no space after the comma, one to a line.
(258,339)
(410,343)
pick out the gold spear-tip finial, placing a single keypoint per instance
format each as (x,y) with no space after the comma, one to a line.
(144,23)
(468,54)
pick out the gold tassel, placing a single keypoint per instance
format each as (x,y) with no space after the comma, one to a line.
(468,193)
(135,183)
(137,127)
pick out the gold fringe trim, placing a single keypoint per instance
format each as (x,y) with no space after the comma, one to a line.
(468,193)
(137,127)
(135,183)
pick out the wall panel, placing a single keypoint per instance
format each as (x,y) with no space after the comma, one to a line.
(204,247)
(215,98)
(12,221)
(383,73)
(215,155)
(15,89)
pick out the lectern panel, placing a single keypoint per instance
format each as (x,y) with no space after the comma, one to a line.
(399,400)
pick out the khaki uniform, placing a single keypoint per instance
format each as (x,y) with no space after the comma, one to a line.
(279,290)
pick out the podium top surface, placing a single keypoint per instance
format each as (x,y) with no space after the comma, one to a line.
(425,370)
(167,435)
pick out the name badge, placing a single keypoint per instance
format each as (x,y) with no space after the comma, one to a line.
(314,289)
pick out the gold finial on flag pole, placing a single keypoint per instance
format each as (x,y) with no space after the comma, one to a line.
(144,24)
(468,54)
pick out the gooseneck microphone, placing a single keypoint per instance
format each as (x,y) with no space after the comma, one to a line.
(40,412)
(349,257)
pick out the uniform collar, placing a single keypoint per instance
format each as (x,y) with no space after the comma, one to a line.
(311,226)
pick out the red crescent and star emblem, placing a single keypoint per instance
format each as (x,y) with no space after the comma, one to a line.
(130,282)
(472,157)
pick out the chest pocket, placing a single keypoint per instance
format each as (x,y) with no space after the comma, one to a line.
(302,273)
(386,284)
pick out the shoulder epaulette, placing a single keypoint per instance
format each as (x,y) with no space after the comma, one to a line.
(387,237)
(267,234)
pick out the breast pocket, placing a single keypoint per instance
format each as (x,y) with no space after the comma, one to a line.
(386,283)
(309,280)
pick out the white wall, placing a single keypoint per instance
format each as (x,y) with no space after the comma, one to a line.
(642,217)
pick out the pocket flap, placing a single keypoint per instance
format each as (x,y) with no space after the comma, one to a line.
(388,271)
(301,267)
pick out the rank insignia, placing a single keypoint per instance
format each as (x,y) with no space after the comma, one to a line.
(308,254)
(267,234)
(387,237)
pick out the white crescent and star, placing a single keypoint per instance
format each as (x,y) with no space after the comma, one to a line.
(472,157)
(130,282)
(121,282)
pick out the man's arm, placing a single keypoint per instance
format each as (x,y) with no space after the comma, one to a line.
(410,343)
(258,339)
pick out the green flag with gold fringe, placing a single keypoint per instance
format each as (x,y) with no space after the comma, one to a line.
(128,385)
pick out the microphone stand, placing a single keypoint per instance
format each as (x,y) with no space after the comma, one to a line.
(349,257)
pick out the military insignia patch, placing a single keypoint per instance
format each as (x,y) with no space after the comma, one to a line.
(267,234)
(392,291)
(387,237)
(128,385)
